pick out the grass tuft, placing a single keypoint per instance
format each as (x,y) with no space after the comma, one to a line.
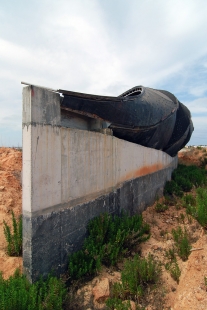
(137,275)
(182,242)
(14,239)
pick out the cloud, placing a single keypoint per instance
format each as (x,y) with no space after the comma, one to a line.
(199,136)
(198,106)
(102,47)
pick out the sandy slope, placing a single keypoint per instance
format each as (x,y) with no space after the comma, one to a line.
(10,199)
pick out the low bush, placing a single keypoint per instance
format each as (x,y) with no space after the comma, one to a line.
(201,207)
(183,179)
(171,187)
(109,237)
(136,276)
(198,207)
(174,269)
(205,282)
(17,293)
(189,200)
(14,236)
(170,254)
(160,207)
(182,242)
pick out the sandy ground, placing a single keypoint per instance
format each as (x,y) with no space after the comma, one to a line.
(189,293)
(10,199)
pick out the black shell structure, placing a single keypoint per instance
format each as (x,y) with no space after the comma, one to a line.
(142,115)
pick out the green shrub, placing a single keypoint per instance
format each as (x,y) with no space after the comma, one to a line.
(140,272)
(170,254)
(189,200)
(17,293)
(136,276)
(116,303)
(201,208)
(183,183)
(170,200)
(174,269)
(14,239)
(182,242)
(195,175)
(205,282)
(183,178)
(171,187)
(109,237)
(160,207)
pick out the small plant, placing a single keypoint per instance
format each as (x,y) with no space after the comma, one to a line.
(189,200)
(170,254)
(190,219)
(171,187)
(14,239)
(182,242)
(170,200)
(116,303)
(182,217)
(136,276)
(174,270)
(139,272)
(205,281)
(109,238)
(201,210)
(18,294)
(160,207)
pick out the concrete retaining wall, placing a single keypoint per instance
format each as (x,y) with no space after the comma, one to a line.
(71,175)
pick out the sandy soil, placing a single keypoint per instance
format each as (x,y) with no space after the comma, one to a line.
(189,293)
(10,199)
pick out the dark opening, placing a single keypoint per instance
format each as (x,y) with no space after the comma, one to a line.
(133,92)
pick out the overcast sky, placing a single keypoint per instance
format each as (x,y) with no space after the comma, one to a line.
(103,47)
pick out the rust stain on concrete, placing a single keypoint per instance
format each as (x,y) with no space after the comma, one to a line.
(142,171)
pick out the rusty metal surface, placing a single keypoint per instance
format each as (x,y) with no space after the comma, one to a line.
(142,115)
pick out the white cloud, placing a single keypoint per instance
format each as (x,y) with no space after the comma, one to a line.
(103,47)
(198,106)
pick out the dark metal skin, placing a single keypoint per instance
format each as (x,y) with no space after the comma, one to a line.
(142,115)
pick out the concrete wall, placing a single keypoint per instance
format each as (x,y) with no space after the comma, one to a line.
(71,175)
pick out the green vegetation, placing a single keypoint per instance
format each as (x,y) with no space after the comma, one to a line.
(137,275)
(183,179)
(160,207)
(109,238)
(205,282)
(198,208)
(201,206)
(182,242)
(174,269)
(17,293)
(14,239)
(170,254)
(189,200)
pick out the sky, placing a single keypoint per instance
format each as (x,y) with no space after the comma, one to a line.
(103,47)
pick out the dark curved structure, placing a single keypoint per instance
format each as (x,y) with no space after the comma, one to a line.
(142,115)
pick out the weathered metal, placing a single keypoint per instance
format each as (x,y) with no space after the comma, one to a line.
(142,115)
